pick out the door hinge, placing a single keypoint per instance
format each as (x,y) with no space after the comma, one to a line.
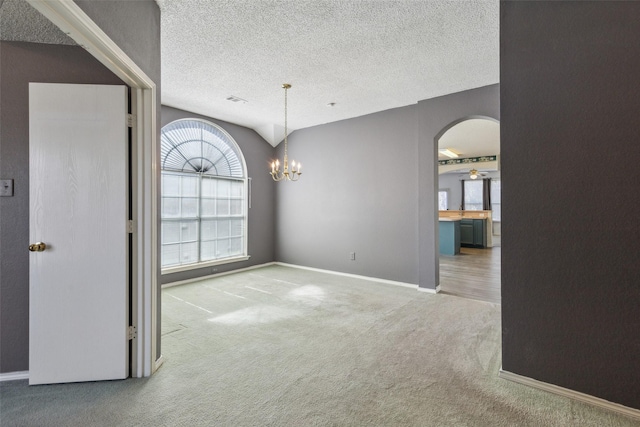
(130,226)
(130,119)
(132,332)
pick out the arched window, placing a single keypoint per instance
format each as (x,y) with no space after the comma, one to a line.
(204,196)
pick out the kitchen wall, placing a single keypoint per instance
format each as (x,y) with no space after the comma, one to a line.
(257,154)
(570,97)
(451,182)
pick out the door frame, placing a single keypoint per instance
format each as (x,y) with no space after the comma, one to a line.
(72,20)
(436,142)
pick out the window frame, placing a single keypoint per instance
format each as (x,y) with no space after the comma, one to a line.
(464,202)
(245,180)
(446,191)
(494,198)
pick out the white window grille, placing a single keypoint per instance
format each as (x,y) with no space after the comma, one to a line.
(495,199)
(473,195)
(443,200)
(204,195)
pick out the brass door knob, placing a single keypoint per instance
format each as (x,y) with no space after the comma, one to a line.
(37,247)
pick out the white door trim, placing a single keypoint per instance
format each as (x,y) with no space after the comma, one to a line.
(72,20)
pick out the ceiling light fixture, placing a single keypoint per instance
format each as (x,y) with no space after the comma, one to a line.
(447,152)
(286,175)
(473,173)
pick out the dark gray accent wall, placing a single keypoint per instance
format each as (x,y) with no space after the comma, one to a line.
(369,186)
(21,63)
(570,98)
(135,27)
(257,154)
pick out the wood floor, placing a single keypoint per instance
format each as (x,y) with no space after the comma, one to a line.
(475,273)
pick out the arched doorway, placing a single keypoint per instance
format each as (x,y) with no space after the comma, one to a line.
(469,208)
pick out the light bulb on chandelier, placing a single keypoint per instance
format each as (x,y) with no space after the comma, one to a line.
(296,169)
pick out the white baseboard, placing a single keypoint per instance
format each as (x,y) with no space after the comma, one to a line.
(571,394)
(209,276)
(430,291)
(357,276)
(13,376)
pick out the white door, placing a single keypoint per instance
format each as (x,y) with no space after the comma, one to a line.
(78,194)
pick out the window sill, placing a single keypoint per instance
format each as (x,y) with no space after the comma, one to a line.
(187,267)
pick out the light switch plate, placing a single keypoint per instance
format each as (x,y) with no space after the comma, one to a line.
(6,187)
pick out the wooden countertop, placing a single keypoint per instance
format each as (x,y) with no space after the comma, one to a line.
(465,214)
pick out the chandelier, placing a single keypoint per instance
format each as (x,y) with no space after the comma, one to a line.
(286,174)
(473,174)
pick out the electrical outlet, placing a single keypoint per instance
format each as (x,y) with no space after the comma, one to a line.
(6,187)
(352,256)
(214,270)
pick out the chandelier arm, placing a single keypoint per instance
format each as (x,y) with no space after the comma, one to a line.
(286,174)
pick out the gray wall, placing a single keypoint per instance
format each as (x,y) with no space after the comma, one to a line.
(570,97)
(358,193)
(451,182)
(135,27)
(21,63)
(257,154)
(368,187)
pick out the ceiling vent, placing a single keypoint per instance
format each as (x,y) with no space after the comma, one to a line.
(236,99)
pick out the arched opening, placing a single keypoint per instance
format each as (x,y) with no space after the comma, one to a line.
(469,199)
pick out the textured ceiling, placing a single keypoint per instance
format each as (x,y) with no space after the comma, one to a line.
(364,56)
(19,21)
(472,138)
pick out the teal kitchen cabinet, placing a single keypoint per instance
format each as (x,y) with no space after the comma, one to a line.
(473,233)
(449,236)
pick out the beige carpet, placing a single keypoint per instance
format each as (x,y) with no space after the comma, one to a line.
(278,346)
